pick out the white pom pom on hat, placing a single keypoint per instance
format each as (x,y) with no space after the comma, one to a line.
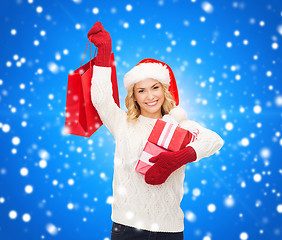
(152,68)
(178,113)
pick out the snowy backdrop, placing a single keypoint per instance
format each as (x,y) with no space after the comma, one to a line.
(226,56)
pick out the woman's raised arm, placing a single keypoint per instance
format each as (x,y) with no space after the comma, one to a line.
(101,85)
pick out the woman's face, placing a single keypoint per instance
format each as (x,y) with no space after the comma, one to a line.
(149,94)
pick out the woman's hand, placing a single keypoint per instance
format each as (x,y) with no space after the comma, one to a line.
(99,36)
(166,163)
(102,40)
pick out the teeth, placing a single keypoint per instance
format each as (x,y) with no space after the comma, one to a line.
(153,103)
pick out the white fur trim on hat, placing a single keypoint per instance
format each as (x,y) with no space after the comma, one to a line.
(146,70)
(178,113)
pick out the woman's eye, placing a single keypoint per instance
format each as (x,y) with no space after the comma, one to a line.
(143,90)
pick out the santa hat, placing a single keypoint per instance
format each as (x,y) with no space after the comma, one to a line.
(152,68)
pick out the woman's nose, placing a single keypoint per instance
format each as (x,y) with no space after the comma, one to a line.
(150,95)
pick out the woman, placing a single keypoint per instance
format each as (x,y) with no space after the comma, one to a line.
(145,207)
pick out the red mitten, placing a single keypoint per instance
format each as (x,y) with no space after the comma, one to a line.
(102,40)
(166,163)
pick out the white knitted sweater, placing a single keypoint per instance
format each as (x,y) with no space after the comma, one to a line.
(136,203)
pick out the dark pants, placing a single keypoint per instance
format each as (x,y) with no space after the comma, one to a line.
(123,232)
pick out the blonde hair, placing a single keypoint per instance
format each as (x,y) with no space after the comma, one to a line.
(134,109)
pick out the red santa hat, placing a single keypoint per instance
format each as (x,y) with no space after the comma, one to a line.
(152,68)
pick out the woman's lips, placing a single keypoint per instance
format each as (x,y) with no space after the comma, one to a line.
(151,104)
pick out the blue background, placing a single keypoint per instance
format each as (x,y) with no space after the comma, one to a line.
(234,91)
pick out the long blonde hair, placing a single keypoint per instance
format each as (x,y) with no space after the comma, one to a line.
(134,109)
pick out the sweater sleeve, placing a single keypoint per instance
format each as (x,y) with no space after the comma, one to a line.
(102,99)
(207,141)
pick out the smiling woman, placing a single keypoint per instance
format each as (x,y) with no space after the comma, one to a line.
(140,209)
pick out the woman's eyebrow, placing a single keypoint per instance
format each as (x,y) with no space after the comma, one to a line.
(152,86)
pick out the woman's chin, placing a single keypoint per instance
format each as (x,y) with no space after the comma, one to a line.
(153,110)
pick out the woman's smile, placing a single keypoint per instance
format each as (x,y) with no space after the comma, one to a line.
(151,104)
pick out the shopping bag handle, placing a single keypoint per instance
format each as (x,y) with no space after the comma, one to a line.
(90,54)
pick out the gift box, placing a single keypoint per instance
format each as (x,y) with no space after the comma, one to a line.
(150,150)
(193,131)
(170,136)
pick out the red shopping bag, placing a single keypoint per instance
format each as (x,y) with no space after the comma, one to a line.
(81,117)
